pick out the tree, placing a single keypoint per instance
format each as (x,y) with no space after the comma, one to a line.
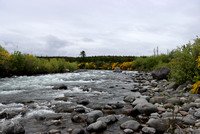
(83,54)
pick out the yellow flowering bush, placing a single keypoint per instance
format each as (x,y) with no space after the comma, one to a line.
(195,88)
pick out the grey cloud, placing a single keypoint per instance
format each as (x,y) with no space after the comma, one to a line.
(55,42)
(101,27)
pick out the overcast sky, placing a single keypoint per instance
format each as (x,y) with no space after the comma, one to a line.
(100,27)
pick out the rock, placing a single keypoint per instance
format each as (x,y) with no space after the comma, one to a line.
(116,105)
(173,100)
(62,108)
(93,116)
(197,101)
(108,107)
(157,99)
(78,131)
(129,98)
(62,87)
(79,118)
(62,99)
(80,70)
(117,69)
(184,113)
(168,105)
(160,109)
(139,101)
(108,119)
(3,115)
(197,114)
(146,108)
(183,86)
(160,73)
(79,110)
(172,85)
(128,131)
(54,131)
(149,130)
(131,124)
(189,120)
(67,70)
(97,126)
(135,89)
(11,127)
(159,124)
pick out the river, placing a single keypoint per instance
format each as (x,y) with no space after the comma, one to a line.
(30,99)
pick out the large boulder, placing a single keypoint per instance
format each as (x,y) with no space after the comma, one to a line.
(160,73)
(146,108)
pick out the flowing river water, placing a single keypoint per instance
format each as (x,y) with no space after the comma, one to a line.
(32,101)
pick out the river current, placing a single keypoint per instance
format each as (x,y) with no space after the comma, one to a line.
(25,97)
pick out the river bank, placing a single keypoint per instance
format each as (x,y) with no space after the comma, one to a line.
(96,102)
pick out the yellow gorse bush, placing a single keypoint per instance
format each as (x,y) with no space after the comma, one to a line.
(195,88)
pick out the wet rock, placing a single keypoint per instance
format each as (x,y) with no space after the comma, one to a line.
(97,126)
(159,124)
(129,98)
(160,73)
(117,69)
(3,115)
(78,131)
(116,105)
(79,110)
(54,131)
(135,89)
(63,108)
(142,90)
(61,87)
(93,116)
(149,130)
(131,124)
(62,99)
(108,119)
(80,70)
(108,107)
(10,127)
(157,99)
(79,118)
(146,108)
(83,102)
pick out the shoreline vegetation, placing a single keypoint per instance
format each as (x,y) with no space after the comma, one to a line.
(184,63)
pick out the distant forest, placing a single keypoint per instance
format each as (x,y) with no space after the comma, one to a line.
(107,59)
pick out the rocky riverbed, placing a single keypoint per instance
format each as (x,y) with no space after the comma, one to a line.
(97,102)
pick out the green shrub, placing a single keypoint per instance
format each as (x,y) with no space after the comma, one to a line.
(17,61)
(71,66)
(184,65)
